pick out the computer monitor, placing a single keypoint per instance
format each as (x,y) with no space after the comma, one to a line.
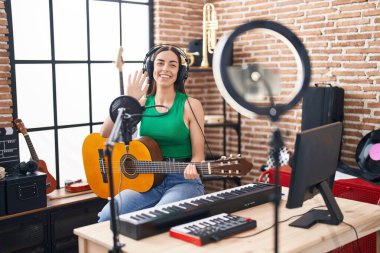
(316,155)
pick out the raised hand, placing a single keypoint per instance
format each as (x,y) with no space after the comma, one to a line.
(137,85)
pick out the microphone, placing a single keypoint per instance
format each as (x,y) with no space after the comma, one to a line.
(131,115)
(132,109)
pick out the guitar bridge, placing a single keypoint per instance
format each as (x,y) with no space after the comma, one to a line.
(102,166)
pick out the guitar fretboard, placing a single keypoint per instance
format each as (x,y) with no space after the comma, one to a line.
(204,168)
(121,82)
(33,152)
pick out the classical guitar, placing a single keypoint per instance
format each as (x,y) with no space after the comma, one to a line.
(51,184)
(142,167)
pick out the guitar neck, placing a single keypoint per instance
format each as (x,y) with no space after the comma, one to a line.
(31,148)
(121,83)
(147,167)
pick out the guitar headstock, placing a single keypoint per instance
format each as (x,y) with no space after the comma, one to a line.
(20,126)
(119,60)
(231,166)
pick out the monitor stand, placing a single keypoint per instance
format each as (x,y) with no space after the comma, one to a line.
(333,215)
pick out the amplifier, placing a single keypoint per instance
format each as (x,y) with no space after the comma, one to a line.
(25,192)
(195,46)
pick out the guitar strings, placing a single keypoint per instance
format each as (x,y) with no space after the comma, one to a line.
(151,166)
(161,164)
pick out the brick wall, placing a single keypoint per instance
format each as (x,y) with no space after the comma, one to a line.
(341,36)
(5,89)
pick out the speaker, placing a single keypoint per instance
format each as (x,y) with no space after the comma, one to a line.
(65,219)
(2,197)
(321,106)
(26,233)
(183,71)
(25,192)
(196,46)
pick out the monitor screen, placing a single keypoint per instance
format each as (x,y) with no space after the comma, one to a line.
(316,156)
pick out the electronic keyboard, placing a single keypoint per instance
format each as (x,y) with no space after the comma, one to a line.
(151,221)
(212,229)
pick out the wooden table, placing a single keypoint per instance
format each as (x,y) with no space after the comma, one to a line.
(319,238)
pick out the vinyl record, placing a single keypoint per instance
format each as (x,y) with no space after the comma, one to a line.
(368,153)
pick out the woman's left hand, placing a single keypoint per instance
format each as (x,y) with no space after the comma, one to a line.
(137,85)
(190,172)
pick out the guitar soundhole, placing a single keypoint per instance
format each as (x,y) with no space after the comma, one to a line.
(128,166)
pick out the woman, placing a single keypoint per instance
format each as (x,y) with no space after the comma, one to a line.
(178,132)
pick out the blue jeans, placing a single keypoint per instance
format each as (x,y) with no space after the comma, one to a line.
(173,188)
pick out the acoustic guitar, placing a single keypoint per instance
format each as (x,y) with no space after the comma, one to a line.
(143,167)
(51,184)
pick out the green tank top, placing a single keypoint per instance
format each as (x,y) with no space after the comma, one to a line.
(169,130)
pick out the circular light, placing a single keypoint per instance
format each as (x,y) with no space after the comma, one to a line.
(239,89)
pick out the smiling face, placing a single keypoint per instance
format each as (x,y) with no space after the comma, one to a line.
(166,68)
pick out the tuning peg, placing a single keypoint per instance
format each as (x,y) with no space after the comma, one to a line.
(238,156)
(223,157)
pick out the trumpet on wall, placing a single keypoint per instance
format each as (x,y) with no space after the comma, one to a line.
(210,25)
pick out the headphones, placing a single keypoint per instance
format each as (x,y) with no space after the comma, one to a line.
(183,71)
(25,167)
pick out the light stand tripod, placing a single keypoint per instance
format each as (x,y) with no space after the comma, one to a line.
(276,144)
(239,84)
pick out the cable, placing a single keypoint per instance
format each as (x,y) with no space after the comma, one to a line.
(191,108)
(265,229)
(357,237)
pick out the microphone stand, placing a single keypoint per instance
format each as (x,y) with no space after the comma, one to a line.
(119,127)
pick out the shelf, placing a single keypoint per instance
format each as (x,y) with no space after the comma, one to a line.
(227,124)
(200,69)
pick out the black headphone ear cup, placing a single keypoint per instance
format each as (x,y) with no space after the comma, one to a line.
(183,68)
(32,166)
(22,168)
(150,69)
(181,74)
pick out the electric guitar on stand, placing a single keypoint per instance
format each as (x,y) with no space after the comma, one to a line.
(143,167)
(119,66)
(51,184)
